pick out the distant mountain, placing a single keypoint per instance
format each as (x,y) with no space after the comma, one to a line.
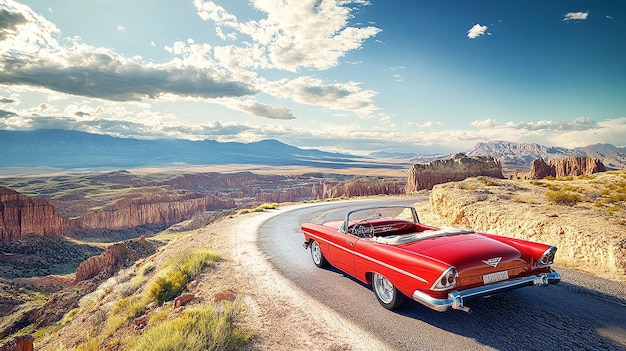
(72,149)
(520,155)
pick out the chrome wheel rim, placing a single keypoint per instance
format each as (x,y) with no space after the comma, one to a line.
(316,252)
(383,287)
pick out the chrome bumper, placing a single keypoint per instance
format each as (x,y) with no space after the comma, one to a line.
(455,298)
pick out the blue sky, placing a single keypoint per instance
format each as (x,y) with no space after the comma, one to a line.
(350,76)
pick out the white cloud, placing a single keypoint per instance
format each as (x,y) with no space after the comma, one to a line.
(570,16)
(33,54)
(487,123)
(120,28)
(427,124)
(256,108)
(578,124)
(285,34)
(312,91)
(476,31)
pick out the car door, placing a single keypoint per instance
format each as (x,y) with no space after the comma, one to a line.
(342,251)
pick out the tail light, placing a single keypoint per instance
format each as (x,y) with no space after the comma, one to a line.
(547,258)
(446,281)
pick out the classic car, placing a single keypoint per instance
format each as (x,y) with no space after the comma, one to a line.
(441,267)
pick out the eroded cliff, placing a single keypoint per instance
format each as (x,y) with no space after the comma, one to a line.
(114,257)
(563,167)
(21,215)
(158,210)
(456,168)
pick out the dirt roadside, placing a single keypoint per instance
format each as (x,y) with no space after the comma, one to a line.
(281,316)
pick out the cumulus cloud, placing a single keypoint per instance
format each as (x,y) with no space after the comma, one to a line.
(4,114)
(476,31)
(487,123)
(31,55)
(256,108)
(284,35)
(9,22)
(571,16)
(339,96)
(578,124)
(427,124)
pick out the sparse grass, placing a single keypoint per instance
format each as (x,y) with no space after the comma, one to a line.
(260,208)
(207,328)
(522,201)
(553,187)
(604,191)
(215,324)
(563,197)
(488,181)
(130,307)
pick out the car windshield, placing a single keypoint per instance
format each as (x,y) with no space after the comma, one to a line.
(370,213)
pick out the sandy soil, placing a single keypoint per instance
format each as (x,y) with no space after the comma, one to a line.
(282,317)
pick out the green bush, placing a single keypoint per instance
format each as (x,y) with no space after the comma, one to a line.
(166,287)
(563,197)
(174,278)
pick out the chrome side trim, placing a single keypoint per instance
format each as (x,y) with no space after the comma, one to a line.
(456,298)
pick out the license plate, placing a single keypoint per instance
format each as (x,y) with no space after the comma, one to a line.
(495,277)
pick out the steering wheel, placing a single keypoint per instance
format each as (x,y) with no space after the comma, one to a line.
(363,229)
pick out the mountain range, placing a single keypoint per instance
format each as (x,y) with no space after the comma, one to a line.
(73,149)
(66,149)
(520,155)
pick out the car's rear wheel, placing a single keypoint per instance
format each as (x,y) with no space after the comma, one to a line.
(317,255)
(386,293)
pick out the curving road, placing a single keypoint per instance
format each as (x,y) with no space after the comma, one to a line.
(589,314)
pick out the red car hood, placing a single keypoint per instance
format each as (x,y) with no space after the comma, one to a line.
(471,254)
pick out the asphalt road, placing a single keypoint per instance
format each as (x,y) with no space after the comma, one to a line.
(583,312)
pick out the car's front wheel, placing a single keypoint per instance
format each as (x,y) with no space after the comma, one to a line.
(386,293)
(317,255)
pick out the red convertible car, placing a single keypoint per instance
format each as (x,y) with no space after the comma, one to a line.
(438,267)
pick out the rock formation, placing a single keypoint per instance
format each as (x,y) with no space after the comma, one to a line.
(457,168)
(157,210)
(19,343)
(115,256)
(21,216)
(563,167)
(325,189)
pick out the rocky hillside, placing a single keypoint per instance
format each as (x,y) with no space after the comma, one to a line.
(22,309)
(584,217)
(456,168)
